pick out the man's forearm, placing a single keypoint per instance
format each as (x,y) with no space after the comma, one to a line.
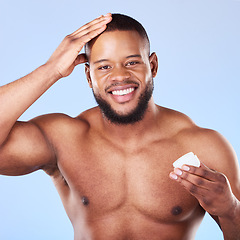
(231,225)
(18,96)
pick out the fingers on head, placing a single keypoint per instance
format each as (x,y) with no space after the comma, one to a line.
(95,24)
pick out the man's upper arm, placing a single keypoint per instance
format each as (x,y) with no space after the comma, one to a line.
(229,165)
(224,160)
(25,150)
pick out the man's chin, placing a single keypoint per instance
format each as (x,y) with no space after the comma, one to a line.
(122,119)
(123,112)
(126,116)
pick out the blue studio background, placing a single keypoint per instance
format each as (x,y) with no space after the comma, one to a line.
(197,42)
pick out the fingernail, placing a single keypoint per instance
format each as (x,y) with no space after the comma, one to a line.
(178,171)
(185,168)
(174,176)
(107,15)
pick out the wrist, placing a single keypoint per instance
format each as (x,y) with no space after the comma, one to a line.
(233,214)
(236,210)
(52,74)
(230,222)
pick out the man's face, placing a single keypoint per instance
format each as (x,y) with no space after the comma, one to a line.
(120,75)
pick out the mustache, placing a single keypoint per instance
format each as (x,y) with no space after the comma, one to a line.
(124,82)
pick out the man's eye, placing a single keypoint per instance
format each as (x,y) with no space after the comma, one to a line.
(132,63)
(104,67)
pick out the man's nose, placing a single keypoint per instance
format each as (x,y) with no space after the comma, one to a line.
(120,73)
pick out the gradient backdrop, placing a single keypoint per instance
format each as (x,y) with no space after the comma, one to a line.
(197,42)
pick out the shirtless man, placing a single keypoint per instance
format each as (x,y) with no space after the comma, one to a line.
(112,164)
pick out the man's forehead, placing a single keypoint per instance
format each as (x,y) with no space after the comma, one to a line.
(117,42)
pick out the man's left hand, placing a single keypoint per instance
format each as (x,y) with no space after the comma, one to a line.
(209,187)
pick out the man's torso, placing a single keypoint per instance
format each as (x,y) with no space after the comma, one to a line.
(121,189)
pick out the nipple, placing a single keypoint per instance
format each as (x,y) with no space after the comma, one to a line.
(176,210)
(85,201)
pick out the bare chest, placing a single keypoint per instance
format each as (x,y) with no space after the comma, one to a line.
(106,179)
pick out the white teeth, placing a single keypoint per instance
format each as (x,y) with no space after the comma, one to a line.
(123,92)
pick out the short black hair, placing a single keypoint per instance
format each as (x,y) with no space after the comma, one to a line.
(123,22)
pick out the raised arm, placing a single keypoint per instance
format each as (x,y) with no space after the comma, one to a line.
(23,146)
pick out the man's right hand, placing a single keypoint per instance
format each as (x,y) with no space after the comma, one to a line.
(67,56)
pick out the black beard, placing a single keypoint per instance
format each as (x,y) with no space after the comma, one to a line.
(134,116)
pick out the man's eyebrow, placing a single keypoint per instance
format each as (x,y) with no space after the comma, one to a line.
(134,55)
(101,60)
(105,60)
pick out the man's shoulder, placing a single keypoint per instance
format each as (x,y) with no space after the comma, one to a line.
(176,121)
(185,126)
(210,145)
(62,118)
(190,133)
(54,120)
(60,123)
(212,148)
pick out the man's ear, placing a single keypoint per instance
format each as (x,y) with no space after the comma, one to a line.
(87,72)
(153,64)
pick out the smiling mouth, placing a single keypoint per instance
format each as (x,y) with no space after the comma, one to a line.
(123,92)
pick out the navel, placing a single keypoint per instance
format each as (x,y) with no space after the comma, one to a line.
(85,201)
(177,210)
